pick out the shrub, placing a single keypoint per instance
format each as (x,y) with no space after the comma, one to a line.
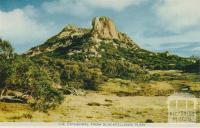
(32,80)
(124,69)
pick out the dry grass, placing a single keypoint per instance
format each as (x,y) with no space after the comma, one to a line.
(92,107)
(129,88)
(95,106)
(106,105)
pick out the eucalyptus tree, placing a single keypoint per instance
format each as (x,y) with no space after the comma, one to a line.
(6,53)
(6,49)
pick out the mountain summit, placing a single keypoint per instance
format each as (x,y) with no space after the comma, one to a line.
(104,28)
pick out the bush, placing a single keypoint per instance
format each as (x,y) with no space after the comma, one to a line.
(195,67)
(124,69)
(27,77)
(92,80)
(155,77)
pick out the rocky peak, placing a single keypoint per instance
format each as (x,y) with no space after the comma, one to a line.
(104,28)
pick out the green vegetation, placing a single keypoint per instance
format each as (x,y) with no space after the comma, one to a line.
(124,69)
(44,78)
(19,73)
(195,67)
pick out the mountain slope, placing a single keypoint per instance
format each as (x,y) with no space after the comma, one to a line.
(72,40)
(101,43)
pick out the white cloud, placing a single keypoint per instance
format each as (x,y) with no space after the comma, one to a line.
(21,27)
(177,15)
(72,7)
(113,4)
(196,49)
(84,7)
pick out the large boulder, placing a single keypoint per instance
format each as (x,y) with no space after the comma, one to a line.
(104,28)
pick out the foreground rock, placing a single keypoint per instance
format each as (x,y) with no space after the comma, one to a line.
(13,99)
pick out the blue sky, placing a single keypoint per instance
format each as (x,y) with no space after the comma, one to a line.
(156,25)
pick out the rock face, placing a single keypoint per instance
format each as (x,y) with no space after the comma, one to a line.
(71,31)
(104,28)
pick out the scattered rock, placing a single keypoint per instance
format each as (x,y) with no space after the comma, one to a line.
(107,100)
(149,121)
(107,105)
(89,116)
(121,115)
(94,104)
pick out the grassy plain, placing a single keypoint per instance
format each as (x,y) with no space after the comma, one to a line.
(117,100)
(92,107)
